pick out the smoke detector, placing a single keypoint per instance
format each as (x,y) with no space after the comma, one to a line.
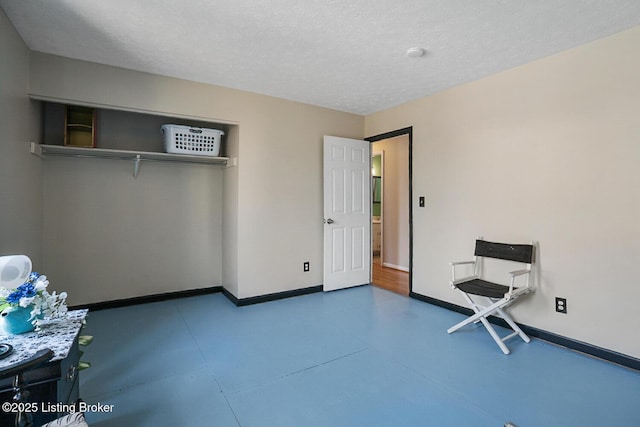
(415,52)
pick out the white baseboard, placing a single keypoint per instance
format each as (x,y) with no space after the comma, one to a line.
(395,267)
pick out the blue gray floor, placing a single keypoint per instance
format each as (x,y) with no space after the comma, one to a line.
(356,357)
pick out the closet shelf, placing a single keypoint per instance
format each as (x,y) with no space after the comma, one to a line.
(43,151)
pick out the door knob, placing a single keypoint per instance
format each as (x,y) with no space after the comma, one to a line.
(329,221)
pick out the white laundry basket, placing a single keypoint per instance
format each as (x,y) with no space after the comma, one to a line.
(191,140)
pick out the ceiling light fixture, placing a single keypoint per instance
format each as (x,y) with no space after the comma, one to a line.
(415,52)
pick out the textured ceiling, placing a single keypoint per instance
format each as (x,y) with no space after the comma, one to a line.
(346,55)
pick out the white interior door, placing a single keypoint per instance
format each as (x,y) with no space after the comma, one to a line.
(347,213)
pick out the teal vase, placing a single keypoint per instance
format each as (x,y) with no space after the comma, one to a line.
(15,320)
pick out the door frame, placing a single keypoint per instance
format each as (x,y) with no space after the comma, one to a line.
(399,132)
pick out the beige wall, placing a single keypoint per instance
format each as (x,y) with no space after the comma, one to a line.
(230,216)
(548,152)
(109,236)
(272,201)
(395,215)
(20,171)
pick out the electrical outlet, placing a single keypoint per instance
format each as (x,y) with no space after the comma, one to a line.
(561,305)
(305,266)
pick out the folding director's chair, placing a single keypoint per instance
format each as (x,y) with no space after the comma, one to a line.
(499,295)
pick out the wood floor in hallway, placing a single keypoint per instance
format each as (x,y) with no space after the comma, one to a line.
(389,278)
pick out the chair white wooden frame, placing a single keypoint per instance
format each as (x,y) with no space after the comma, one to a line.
(499,295)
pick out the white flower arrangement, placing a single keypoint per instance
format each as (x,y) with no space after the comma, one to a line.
(33,294)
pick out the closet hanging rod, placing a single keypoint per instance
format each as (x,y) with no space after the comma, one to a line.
(43,151)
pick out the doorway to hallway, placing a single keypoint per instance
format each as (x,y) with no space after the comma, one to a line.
(391,211)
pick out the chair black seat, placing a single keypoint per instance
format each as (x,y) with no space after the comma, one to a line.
(483,288)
